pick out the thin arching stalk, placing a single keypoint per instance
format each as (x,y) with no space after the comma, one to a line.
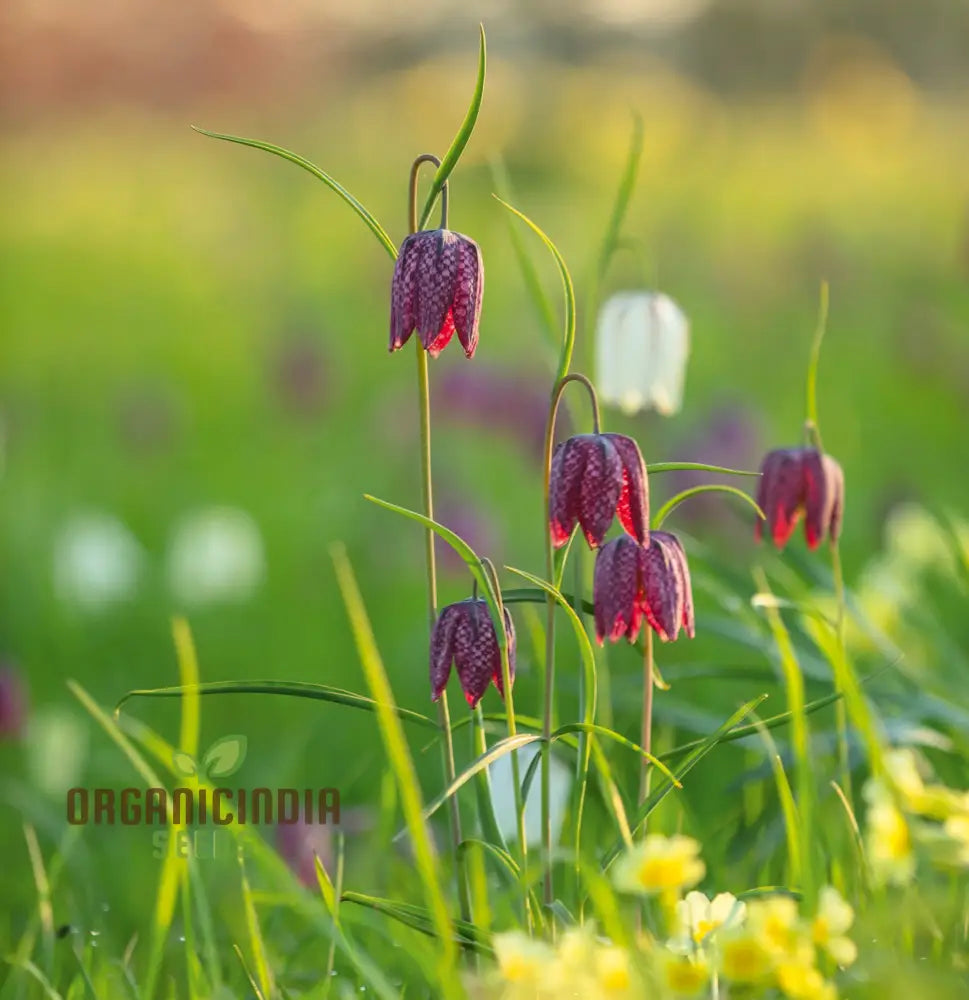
(646,738)
(427,495)
(549,690)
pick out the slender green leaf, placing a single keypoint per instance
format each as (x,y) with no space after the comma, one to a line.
(674,502)
(292,689)
(456,148)
(568,340)
(493,753)
(533,283)
(372,224)
(578,727)
(419,919)
(696,467)
(400,760)
(657,796)
(627,184)
(256,944)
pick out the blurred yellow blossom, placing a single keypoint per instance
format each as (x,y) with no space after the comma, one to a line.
(888,841)
(613,974)
(660,865)
(683,975)
(830,925)
(800,981)
(744,957)
(777,924)
(521,959)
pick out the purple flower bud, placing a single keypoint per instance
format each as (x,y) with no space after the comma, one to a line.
(594,478)
(464,635)
(437,287)
(796,482)
(13,703)
(634,581)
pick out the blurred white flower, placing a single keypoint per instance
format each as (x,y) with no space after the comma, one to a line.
(57,745)
(215,555)
(97,562)
(642,344)
(503,795)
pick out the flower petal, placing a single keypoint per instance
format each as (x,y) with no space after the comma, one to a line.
(601,486)
(565,482)
(403,291)
(633,506)
(468,290)
(442,649)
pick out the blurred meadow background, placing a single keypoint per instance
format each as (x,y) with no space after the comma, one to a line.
(195,387)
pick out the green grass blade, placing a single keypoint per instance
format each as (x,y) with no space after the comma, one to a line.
(627,184)
(417,917)
(45,913)
(800,737)
(457,146)
(533,283)
(674,502)
(696,467)
(742,732)
(580,727)
(657,796)
(493,753)
(257,945)
(568,339)
(372,224)
(256,989)
(293,689)
(796,861)
(400,760)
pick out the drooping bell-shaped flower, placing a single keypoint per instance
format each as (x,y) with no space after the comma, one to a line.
(464,635)
(594,478)
(796,482)
(642,345)
(437,287)
(634,581)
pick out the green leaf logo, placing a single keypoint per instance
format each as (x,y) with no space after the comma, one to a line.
(225,756)
(183,764)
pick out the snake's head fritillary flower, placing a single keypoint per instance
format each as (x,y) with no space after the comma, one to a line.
(464,635)
(594,478)
(642,344)
(633,582)
(437,287)
(796,482)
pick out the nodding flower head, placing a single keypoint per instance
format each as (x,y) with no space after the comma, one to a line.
(464,635)
(634,581)
(594,478)
(796,482)
(437,287)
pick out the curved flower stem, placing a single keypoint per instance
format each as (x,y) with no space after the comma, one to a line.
(427,496)
(506,683)
(646,739)
(558,389)
(812,433)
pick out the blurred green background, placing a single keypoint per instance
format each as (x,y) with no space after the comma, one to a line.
(195,388)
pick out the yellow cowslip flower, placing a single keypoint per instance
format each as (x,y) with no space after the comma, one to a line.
(683,975)
(660,865)
(613,973)
(798,981)
(956,828)
(521,959)
(915,796)
(888,840)
(744,958)
(777,924)
(830,924)
(697,916)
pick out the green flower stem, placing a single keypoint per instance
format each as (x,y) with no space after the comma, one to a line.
(812,432)
(559,388)
(506,683)
(646,738)
(427,496)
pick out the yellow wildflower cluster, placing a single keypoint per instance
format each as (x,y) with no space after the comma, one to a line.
(906,807)
(699,949)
